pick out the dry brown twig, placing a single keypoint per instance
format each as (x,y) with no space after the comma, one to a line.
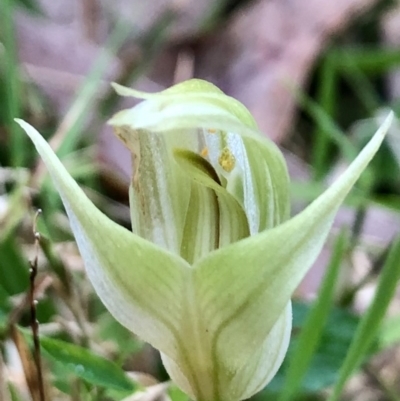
(32,368)
(33,302)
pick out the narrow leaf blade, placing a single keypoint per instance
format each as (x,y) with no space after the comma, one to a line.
(86,365)
(311,332)
(370,324)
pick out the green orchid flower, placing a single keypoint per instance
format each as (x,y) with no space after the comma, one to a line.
(207,273)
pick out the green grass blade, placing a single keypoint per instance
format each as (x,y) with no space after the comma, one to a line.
(17,139)
(150,44)
(361,85)
(327,125)
(370,323)
(71,126)
(312,330)
(326,97)
(372,61)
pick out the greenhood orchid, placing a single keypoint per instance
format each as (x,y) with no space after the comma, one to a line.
(207,273)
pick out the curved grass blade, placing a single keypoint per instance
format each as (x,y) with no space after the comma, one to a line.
(17,139)
(370,323)
(311,332)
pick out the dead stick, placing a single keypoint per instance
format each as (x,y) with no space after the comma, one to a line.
(33,302)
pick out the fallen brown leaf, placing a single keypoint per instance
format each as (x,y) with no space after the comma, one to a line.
(268,45)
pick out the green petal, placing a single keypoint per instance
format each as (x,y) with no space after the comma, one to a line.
(159,191)
(193,90)
(260,181)
(185,114)
(271,183)
(200,233)
(140,283)
(242,289)
(262,366)
(231,222)
(204,377)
